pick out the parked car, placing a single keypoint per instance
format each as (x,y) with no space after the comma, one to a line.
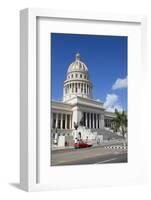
(81,144)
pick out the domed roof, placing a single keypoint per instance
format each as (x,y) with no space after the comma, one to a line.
(77,65)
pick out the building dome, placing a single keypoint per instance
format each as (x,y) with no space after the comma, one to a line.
(77,82)
(77,65)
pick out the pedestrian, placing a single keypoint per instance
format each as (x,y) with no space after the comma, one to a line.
(76,140)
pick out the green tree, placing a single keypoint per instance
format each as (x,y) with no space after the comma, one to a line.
(120,122)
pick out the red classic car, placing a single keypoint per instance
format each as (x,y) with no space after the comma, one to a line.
(81,144)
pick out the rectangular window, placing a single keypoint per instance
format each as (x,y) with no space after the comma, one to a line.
(84,118)
(88,120)
(63,122)
(68,121)
(59,121)
(94,120)
(98,120)
(91,120)
(54,121)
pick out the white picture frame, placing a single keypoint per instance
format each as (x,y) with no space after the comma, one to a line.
(29,110)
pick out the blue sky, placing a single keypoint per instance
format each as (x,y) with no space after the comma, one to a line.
(106,59)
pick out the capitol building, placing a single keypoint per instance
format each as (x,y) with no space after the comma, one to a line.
(78,109)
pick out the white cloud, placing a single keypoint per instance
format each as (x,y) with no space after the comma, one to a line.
(112,109)
(120,83)
(111,99)
(112,103)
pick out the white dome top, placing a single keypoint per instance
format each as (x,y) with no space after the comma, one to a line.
(77,65)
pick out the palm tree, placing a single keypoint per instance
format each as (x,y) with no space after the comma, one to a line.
(120,122)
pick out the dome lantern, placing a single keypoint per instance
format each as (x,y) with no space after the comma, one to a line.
(77,57)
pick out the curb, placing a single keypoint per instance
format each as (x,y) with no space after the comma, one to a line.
(115,147)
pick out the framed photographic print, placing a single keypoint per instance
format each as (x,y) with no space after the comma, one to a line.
(79,112)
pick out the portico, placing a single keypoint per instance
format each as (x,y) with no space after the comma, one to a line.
(93,120)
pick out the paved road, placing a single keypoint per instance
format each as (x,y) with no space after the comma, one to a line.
(98,155)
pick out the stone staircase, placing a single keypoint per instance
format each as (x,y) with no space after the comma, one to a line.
(93,134)
(86,133)
(109,135)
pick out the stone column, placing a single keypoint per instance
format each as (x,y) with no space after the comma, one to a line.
(79,87)
(96,121)
(83,88)
(72,87)
(65,121)
(86,120)
(56,120)
(93,120)
(100,125)
(89,120)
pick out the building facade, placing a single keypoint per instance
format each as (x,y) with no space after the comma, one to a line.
(78,107)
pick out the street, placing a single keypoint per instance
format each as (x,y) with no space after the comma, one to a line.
(93,155)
